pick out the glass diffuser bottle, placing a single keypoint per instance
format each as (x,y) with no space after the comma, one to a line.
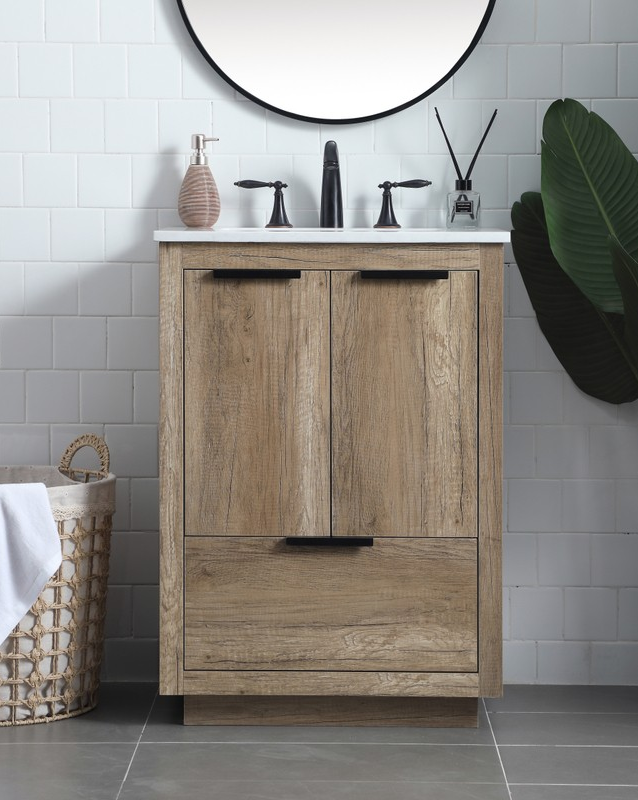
(463,206)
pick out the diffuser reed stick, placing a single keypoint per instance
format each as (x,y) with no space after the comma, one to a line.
(478,149)
(449,146)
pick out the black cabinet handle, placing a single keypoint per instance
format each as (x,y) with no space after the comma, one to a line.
(405,274)
(330,541)
(263,274)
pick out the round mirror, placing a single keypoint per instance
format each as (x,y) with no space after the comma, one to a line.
(336,61)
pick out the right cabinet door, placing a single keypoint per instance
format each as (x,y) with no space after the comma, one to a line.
(404,417)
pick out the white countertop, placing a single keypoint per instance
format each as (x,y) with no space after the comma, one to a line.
(334,236)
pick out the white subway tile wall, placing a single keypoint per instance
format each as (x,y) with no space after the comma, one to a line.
(77,126)
(564,559)
(8,70)
(53,396)
(49,180)
(98,102)
(106,396)
(564,662)
(565,21)
(590,69)
(46,70)
(99,70)
(72,21)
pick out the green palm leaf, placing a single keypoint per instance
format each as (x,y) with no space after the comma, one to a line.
(589,181)
(626,272)
(588,342)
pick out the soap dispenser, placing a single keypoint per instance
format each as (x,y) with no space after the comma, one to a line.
(198,204)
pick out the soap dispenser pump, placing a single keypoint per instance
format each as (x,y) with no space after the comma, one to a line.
(198,205)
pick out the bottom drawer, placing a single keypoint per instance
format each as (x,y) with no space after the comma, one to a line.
(402,605)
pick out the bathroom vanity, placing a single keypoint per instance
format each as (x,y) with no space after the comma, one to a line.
(330,474)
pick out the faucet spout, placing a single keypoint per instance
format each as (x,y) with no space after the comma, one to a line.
(331,212)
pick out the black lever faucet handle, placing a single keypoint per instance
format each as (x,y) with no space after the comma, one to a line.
(415,184)
(279,218)
(261,184)
(386,217)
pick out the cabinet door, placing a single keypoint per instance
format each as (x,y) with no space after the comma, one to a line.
(256,405)
(403,605)
(404,390)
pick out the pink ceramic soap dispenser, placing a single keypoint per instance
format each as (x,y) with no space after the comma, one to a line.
(198,205)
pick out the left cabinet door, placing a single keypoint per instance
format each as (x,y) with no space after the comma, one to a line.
(256,404)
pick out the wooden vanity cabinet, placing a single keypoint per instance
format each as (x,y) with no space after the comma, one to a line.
(312,394)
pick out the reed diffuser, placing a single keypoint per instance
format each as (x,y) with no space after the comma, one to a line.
(463,204)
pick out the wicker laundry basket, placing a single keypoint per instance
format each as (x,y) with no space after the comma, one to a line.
(50,663)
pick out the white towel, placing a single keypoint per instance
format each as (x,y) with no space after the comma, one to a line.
(30,550)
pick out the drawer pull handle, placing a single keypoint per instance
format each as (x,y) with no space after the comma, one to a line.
(251,274)
(330,541)
(405,274)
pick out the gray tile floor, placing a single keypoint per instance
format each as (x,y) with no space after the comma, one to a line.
(536,743)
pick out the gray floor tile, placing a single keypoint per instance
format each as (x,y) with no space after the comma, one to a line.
(62,771)
(167,788)
(571,765)
(165,725)
(574,792)
(593,699)
(184,763)
(553,741)
(566,729)
(119,717)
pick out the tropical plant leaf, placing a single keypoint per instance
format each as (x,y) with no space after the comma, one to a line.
(588,342)
(626,273)
(589,182)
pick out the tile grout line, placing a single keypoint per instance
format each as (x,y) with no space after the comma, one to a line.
(498,752)
(137,744)
(578,746)
(318,742)
(574,713)
(584,785)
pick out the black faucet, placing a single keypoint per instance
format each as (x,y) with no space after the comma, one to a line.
(331,213)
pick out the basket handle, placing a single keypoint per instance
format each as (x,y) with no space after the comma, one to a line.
(87,440)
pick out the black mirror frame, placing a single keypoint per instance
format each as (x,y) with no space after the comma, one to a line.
(347,121)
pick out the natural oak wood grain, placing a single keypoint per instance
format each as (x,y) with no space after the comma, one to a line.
(171,470)
(353,711)
(404,422)
(322,684)
(331,256)
(490,471)
(403,605)
(257,407)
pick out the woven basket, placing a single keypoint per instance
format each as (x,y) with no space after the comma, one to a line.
(50,663)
